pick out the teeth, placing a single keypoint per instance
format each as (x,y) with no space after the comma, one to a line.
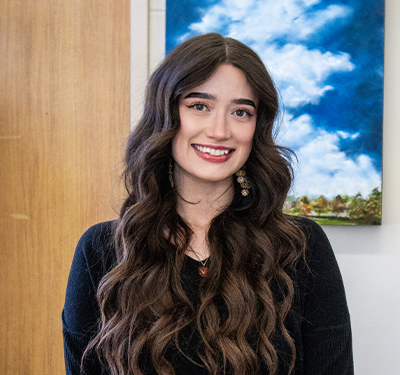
(211,151)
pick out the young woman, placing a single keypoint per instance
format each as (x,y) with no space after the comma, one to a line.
(203,273)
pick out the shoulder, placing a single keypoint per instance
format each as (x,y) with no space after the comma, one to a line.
(98,239)
(98,235)
(94,257)
(325,293)
(318,246)
(320,271)
(95,250)
(313,231)
(326,331)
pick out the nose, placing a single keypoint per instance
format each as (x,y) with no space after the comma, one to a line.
(218,128)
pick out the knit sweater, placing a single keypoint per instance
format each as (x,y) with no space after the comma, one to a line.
(318,320)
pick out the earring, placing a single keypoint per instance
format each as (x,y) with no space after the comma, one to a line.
(170,174)
(243,181)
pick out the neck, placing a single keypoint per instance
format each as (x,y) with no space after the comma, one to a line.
(198,202)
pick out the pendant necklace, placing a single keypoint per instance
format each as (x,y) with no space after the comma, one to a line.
(202,270)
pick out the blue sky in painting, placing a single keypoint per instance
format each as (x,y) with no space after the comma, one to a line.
(326,58)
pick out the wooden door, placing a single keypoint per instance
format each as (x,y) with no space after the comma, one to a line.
(64,118)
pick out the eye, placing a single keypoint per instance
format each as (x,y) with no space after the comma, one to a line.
(242,113)
(198,106)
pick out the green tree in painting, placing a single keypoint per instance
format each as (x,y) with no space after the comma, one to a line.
(374,207)
(320,205)
(338,205)
(303,205)
(345,198)
(357,205)
(369,210)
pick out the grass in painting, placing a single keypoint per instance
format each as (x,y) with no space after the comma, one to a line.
(330,221)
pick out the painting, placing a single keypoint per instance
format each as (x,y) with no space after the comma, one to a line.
(326,58)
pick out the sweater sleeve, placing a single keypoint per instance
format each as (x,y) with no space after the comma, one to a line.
(80,316)
(326,328)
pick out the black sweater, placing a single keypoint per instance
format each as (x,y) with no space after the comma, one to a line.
(318,320)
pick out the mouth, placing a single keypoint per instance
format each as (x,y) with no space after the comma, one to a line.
(220,151)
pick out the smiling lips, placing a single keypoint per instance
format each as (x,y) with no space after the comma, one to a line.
(213,155)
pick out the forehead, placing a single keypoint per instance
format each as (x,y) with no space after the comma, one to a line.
(227,82)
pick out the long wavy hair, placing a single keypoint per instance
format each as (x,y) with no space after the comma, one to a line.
(253,245)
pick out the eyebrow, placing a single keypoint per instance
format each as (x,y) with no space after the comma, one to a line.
(200,95)
(203,95)
(244,101)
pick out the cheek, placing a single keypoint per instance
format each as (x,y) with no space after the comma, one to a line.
(188,129)
(245,138)
(180,143)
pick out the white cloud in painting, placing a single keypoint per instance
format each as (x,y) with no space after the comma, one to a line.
(301,73)
(347,135)
(311,22)
(294,132)
(246,19)
(324,169)
(286,19)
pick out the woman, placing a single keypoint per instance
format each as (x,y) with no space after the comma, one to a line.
(203,273)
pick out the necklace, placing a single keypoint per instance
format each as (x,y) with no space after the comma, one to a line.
(203,269)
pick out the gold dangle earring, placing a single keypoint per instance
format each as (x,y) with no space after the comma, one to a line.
(243,181)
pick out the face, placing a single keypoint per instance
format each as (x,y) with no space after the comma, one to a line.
(218,120)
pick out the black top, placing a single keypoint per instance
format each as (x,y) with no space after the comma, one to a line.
(318,321)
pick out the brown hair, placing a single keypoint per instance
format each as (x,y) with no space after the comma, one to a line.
(252,243)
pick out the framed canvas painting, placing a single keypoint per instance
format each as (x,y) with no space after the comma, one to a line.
(326,58)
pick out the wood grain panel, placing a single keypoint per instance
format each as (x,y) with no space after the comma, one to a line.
(64,118)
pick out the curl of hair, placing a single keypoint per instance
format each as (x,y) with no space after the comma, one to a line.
(252,243)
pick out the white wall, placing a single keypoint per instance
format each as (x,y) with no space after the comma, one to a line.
(369,257)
